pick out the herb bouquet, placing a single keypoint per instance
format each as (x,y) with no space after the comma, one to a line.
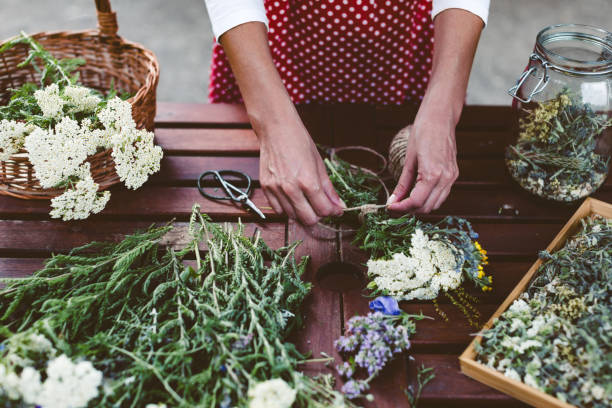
(557,336)
(131,324)
(60,125)
(411,259)
(555,156)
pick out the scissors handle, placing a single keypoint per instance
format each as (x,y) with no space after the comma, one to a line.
(231,191)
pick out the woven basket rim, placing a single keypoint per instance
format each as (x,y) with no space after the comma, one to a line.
(94,31)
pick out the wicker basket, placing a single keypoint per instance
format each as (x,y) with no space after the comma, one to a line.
(108,57)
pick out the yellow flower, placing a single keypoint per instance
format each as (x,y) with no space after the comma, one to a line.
(490,279)
(480,274)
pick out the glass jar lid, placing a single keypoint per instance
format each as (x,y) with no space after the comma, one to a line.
(576,49)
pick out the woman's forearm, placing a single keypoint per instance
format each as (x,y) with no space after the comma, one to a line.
(456,36)
(264,94)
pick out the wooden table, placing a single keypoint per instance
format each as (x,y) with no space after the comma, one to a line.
(513,226)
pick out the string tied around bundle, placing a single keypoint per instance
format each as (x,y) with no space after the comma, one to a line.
(364,209)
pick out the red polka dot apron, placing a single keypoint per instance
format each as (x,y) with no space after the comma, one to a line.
(357,51)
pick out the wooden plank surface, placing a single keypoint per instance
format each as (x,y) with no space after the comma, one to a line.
(323,320)
(512,224)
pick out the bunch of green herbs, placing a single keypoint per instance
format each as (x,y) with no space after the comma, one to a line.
(555,155)
(165,332)
(557,335)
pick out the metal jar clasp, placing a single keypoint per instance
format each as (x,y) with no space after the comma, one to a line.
(540,85)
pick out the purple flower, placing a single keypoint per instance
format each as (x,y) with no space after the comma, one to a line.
(354,388)
(386,305)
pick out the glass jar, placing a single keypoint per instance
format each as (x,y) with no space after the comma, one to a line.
(563,102)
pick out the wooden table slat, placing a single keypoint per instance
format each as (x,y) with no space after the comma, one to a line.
(41,238)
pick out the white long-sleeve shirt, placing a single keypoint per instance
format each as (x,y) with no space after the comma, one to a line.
(227,14)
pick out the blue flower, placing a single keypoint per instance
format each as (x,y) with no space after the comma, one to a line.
(386,305)
(223,369)
(2,347)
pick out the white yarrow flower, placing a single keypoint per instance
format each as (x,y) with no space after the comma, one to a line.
(50,101)
(117,115)
(81,98)
(431,266)
(136,157)
(79,202)
(56,155)
(12,137)
(274,393)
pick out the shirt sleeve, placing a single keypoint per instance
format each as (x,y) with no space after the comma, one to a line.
(227,14)
(478,7)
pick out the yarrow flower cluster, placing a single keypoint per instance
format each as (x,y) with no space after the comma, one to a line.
(370,342)
(411,259)
(66,383)
(274,393)
(75,123)
(430,266)
(12,137)
(556,336)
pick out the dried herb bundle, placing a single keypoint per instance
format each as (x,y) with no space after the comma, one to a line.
(355,187)
(557,336)
(385,238)
(388,239)
(163,332)
(555,156)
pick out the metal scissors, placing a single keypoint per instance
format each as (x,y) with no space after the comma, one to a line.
(231,191)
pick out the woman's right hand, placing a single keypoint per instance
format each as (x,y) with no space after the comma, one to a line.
(293,175)
(291,171)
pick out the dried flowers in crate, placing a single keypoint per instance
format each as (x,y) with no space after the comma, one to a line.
(164,333)
(371,342)
(59,126)
(556,155)
(556,336)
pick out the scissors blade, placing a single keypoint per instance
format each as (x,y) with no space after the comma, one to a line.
(253,207)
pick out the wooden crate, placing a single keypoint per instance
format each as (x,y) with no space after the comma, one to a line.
(494,378)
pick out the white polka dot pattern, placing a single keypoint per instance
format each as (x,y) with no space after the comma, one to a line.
(356,51)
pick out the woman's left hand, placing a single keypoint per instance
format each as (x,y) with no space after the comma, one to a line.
(430,168)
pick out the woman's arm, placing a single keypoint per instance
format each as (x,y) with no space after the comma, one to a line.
(431,163)
(291,171)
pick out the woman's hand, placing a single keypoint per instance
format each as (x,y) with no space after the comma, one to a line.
(430,168)
(291,171)
(431,163)
(293,175)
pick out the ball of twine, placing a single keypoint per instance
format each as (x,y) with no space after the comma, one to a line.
(397,152)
